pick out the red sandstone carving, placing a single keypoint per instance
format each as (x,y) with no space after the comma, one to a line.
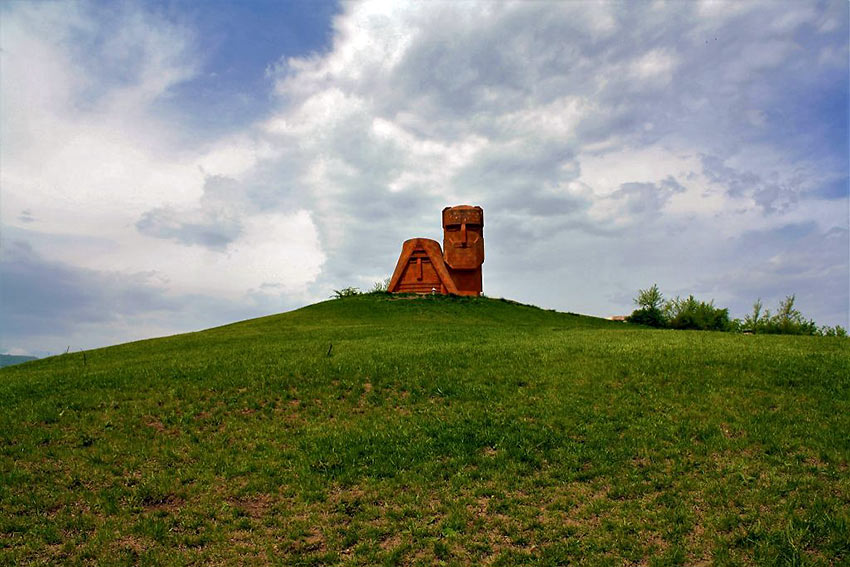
(424,268)
(463,245)
(421,269)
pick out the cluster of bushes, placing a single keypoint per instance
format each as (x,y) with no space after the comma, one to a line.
(690,313)
(786,321)
(678,313)
(378,287)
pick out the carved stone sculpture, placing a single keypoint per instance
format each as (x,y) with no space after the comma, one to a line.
(421,269)
(424,268)
(463,246)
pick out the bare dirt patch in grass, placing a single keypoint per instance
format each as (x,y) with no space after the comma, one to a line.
(254,506)
(133,543)
(391,542)
(156,424)
(313,542)
(171,505)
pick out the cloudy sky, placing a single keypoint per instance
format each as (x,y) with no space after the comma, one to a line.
(171,166)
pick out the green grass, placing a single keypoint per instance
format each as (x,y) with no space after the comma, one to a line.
(435,430)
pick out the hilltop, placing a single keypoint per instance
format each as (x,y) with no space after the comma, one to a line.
(383,429)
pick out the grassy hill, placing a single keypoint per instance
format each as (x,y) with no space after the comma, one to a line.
(378,430)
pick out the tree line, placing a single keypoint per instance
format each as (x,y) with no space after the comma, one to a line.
(690,313)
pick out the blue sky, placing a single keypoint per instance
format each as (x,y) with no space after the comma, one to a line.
(170,166)
(237,42)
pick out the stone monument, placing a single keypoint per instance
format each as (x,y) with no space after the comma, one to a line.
(456,269)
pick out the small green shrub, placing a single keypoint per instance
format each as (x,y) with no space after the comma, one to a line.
(649,313)
(380,287)
(690,313)
(752,321)
(836,331)
(786,321)
(650,298)
(647,316)
(345,292)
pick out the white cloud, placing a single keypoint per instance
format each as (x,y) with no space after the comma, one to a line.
(597,128)
(86,152)
(273,249)
(656,65)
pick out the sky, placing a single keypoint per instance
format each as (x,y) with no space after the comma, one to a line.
(172,166)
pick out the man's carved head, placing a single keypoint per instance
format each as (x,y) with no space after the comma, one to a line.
(463,237)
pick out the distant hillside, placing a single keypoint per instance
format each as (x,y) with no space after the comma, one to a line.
(10,359)
(385,430)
